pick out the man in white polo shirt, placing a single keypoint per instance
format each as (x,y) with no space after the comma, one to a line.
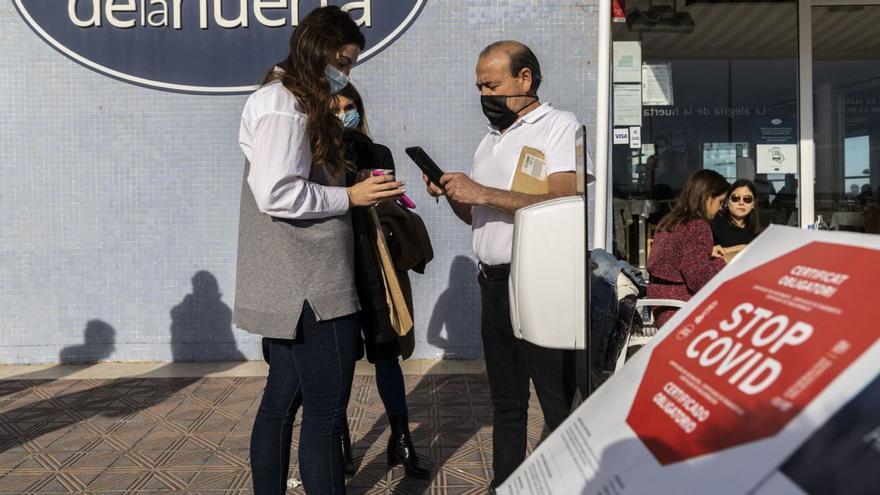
(508,77)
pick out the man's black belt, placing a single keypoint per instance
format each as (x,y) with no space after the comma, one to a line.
(495,272)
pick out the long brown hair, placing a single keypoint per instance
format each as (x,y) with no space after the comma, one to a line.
(317,36)
(691,202)
(753,219)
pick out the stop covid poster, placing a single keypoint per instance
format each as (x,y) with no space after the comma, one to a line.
(734,384)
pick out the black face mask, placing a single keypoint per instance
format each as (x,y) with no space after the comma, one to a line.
(495,109)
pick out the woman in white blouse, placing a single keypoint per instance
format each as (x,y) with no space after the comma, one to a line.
(295,279)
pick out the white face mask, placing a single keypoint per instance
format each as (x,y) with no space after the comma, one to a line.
(336,78)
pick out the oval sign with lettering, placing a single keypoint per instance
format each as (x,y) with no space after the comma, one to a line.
(196,46)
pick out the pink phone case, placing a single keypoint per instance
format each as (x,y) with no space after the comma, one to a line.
(404,199)
(406,202)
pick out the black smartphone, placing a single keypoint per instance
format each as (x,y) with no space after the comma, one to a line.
(424,162)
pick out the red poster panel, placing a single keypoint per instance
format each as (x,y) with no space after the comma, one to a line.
(756,352)
(618,11)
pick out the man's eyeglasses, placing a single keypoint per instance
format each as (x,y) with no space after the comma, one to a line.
(745,199)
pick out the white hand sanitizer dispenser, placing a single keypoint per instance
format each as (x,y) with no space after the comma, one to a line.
(547,274)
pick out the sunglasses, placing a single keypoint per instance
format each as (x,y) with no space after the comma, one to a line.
(745,199)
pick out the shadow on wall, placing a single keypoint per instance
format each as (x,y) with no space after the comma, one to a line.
(201,325)
(457,310)
(99,340)
(201,328)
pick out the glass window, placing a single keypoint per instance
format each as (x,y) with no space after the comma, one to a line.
(719,94)
(846,116)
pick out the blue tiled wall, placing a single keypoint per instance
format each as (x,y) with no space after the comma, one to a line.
(119,204)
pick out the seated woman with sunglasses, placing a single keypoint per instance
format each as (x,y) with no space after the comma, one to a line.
(738,223)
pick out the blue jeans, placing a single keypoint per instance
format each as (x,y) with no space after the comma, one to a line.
(315,370)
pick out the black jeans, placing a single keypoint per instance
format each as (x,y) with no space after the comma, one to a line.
(392,391)
(315,371)
(509,364)
(389,382)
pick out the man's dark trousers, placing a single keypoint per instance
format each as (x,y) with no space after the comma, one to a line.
(510,362)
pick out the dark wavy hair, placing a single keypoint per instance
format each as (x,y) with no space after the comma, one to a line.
(691,202)
(317,36)
(753,220)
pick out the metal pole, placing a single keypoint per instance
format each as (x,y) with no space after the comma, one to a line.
(603,84)
(603,130)
(586,367)
(805,98)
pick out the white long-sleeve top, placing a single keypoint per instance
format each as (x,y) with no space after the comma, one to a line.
(273,137)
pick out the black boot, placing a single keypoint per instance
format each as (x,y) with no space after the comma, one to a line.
(401,450)
(347,461)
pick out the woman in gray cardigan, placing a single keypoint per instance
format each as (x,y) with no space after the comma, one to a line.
(295,278)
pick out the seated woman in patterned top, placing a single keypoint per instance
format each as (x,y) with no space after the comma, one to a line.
(683,258)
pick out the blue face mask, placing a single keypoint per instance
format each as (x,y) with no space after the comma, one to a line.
(336,78)
(350,119)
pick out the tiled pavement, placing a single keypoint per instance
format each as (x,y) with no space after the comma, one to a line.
(190,435)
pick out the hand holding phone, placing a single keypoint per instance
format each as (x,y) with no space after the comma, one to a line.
(373,189)
(426,164)
(404,199)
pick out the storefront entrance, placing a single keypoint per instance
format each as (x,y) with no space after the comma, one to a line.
(708,85)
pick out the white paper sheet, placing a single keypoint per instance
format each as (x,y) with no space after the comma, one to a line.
(627,105)
(627,61)
(635,137)
(777,158)
(657,85)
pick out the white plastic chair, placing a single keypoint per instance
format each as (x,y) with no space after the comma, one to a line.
(649,329)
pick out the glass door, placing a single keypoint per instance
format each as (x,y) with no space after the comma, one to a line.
(846,115)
